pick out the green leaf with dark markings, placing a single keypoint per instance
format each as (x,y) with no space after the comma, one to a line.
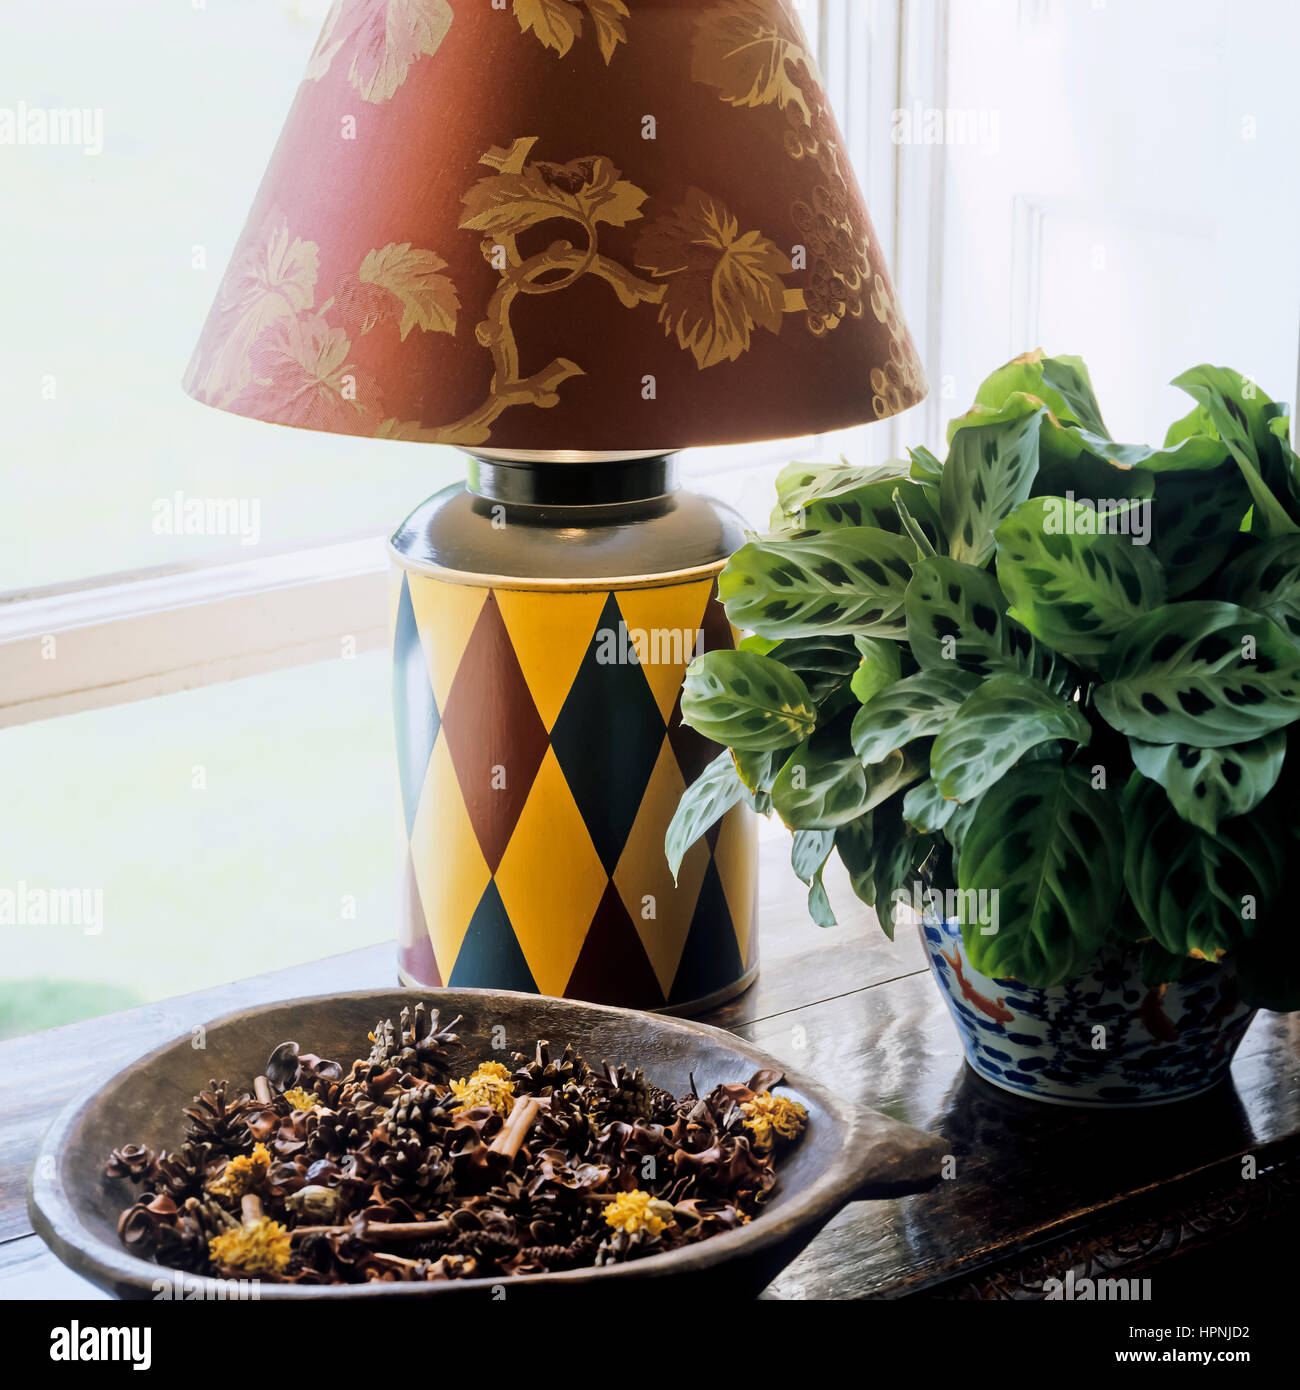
(1242,415)
(915,707)
(1266,579)
(957,616)
(1203,673)
(1196,524)
(824,664)
(925,808)
(997,725)
(1070,579)
(798,484)
(873,505)
(823,785)
(1061,383)
(992,460)
(745,700)
(1051,848)
(809,851)
(883,857)
(842,582)
(1209,785)
(713,793)
(1197,892)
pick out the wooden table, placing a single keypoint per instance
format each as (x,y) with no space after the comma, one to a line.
(1037,1189)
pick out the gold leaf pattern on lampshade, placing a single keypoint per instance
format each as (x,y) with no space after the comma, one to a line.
(566,224)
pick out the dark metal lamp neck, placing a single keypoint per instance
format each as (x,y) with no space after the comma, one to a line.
(548,484)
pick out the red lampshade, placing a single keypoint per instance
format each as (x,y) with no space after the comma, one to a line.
(552,225)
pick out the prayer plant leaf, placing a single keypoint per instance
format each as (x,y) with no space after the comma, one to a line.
(992,461)
(957,617)
(996,725)
(925,467)
(1203,673)
(849,581)
(883,857)
(809,851)
(799,484)
(1266,579)
(917,706)
(1209,785)
(1050,848)
(873,505)
(746,701)
(824,664)
(925,808)
(713,793)
(1242,415)
(880,665)
(1071,587)
(823,785)
(1061,383)
(1198,893)
(1196,524)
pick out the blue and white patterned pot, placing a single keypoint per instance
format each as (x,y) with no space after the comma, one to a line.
(1101,1039)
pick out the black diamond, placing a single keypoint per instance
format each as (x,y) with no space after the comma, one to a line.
(608,737)
(710,959)
(415,714)
(489,956)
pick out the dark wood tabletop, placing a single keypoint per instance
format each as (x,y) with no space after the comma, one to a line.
(1166,1193)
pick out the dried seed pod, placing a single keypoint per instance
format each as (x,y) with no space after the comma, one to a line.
(395,1172)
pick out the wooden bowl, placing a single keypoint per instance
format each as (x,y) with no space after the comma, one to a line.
(846,1151)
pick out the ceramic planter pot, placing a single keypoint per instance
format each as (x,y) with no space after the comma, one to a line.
(1159,1046)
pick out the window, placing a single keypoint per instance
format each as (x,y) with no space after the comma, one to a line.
(195,724)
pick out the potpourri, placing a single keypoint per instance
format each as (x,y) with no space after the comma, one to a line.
(407,1168)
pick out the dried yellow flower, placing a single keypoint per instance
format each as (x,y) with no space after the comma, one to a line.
(638,1211)
(244,1173)
(495,1069)
(488,1084)
(770,1117)
(262,1248)
(300,1099)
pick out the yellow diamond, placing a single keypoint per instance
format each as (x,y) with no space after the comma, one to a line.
(550,879)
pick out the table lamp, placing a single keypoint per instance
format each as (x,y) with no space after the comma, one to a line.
(569,239)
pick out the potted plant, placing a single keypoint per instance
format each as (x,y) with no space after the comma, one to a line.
(1043,691)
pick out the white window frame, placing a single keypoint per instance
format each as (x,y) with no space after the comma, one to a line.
(117,638)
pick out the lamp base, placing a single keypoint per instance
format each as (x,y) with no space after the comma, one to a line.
(543,619)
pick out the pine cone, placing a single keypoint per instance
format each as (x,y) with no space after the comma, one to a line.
(543,1074)
(546,1258)
(624,1095)
(336,1132)
(185,1245)
(417,1114)
(416,1045)
(220,1120)
(413,1165)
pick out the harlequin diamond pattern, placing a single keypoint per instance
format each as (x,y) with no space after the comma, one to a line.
(539,770)
(608,735)
(494,732)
